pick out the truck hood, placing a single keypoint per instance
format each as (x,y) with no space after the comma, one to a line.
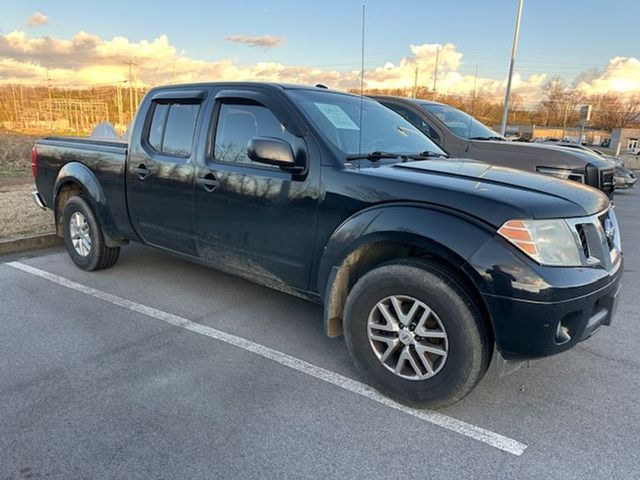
(561,156)
(491,193)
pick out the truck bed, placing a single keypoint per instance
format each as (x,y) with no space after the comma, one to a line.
(103,158)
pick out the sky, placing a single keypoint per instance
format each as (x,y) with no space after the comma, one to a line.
(592,44)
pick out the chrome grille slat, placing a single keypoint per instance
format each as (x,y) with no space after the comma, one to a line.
(607,180)
(597,247)
(583,239)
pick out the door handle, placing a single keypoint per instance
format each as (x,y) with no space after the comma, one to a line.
(141,171)
(208,182)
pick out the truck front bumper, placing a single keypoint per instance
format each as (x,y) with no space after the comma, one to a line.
(538,311)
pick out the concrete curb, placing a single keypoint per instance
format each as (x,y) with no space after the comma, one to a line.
(29,242)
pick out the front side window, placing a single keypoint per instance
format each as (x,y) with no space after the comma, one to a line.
(338,116)
(238,123)
(460,123)
(172,128)
(415,119)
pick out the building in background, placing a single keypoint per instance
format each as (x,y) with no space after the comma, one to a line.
(625,140)
(590,136)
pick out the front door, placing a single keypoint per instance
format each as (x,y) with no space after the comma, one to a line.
(250,217)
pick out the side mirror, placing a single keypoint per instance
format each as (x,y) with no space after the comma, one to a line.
(273,151)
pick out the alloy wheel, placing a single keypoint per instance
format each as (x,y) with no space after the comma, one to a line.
(407,337)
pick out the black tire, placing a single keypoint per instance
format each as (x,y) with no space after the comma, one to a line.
(99,255)
(469,346)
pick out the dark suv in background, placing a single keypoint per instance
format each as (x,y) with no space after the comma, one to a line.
(462,136)
(624,177)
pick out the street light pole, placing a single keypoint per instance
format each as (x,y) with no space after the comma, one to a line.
(514,48)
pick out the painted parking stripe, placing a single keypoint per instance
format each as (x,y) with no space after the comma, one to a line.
(493,439)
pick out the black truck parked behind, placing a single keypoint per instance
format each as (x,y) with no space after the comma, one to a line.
(426,264)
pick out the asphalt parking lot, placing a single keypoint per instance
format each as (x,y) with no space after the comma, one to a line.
(159,368)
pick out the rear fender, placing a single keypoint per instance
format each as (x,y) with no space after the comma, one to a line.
(75,173)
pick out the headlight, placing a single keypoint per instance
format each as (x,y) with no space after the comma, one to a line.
(563,173)
(548,242)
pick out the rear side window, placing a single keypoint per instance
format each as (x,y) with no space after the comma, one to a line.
(172,128)
(157,125)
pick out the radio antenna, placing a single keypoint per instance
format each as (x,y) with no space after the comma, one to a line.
(473,104)
(361,85)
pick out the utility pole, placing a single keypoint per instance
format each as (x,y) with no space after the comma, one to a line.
(564,120)
(473,98)
(50,99)
(435,70)
(22,103)
(514,48)
(119,103)
(137,88)
(130,63)
(415,81)
(15,104)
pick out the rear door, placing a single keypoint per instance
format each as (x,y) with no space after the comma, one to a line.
(160,170)
(251,217)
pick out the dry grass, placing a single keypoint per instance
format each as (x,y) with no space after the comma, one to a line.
(15,155)
(19,215)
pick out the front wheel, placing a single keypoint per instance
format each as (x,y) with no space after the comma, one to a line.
(83,237)
(416,334)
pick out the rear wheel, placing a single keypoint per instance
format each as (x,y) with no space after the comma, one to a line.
(416,334)
(83,237)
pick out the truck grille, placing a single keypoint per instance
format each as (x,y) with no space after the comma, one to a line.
(583,239)
(607,180)
(599,238)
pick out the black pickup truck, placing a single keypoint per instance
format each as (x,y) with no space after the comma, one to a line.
(461,135)
(426,264)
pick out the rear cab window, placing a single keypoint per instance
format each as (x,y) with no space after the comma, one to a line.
(172,127)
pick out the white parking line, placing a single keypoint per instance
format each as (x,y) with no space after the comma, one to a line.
(493,439)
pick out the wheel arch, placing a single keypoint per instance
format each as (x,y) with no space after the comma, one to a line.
(399,232)
(74,178)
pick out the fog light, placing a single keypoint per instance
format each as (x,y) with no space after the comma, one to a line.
(562,334)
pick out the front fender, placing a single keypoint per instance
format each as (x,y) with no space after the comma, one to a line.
(79,174)
(449,234)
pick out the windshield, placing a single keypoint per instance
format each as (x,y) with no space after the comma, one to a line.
(337,116)
(460,123)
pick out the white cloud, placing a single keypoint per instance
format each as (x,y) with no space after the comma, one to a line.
(621,75)
(264,41)
(37,19)
(86,59)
